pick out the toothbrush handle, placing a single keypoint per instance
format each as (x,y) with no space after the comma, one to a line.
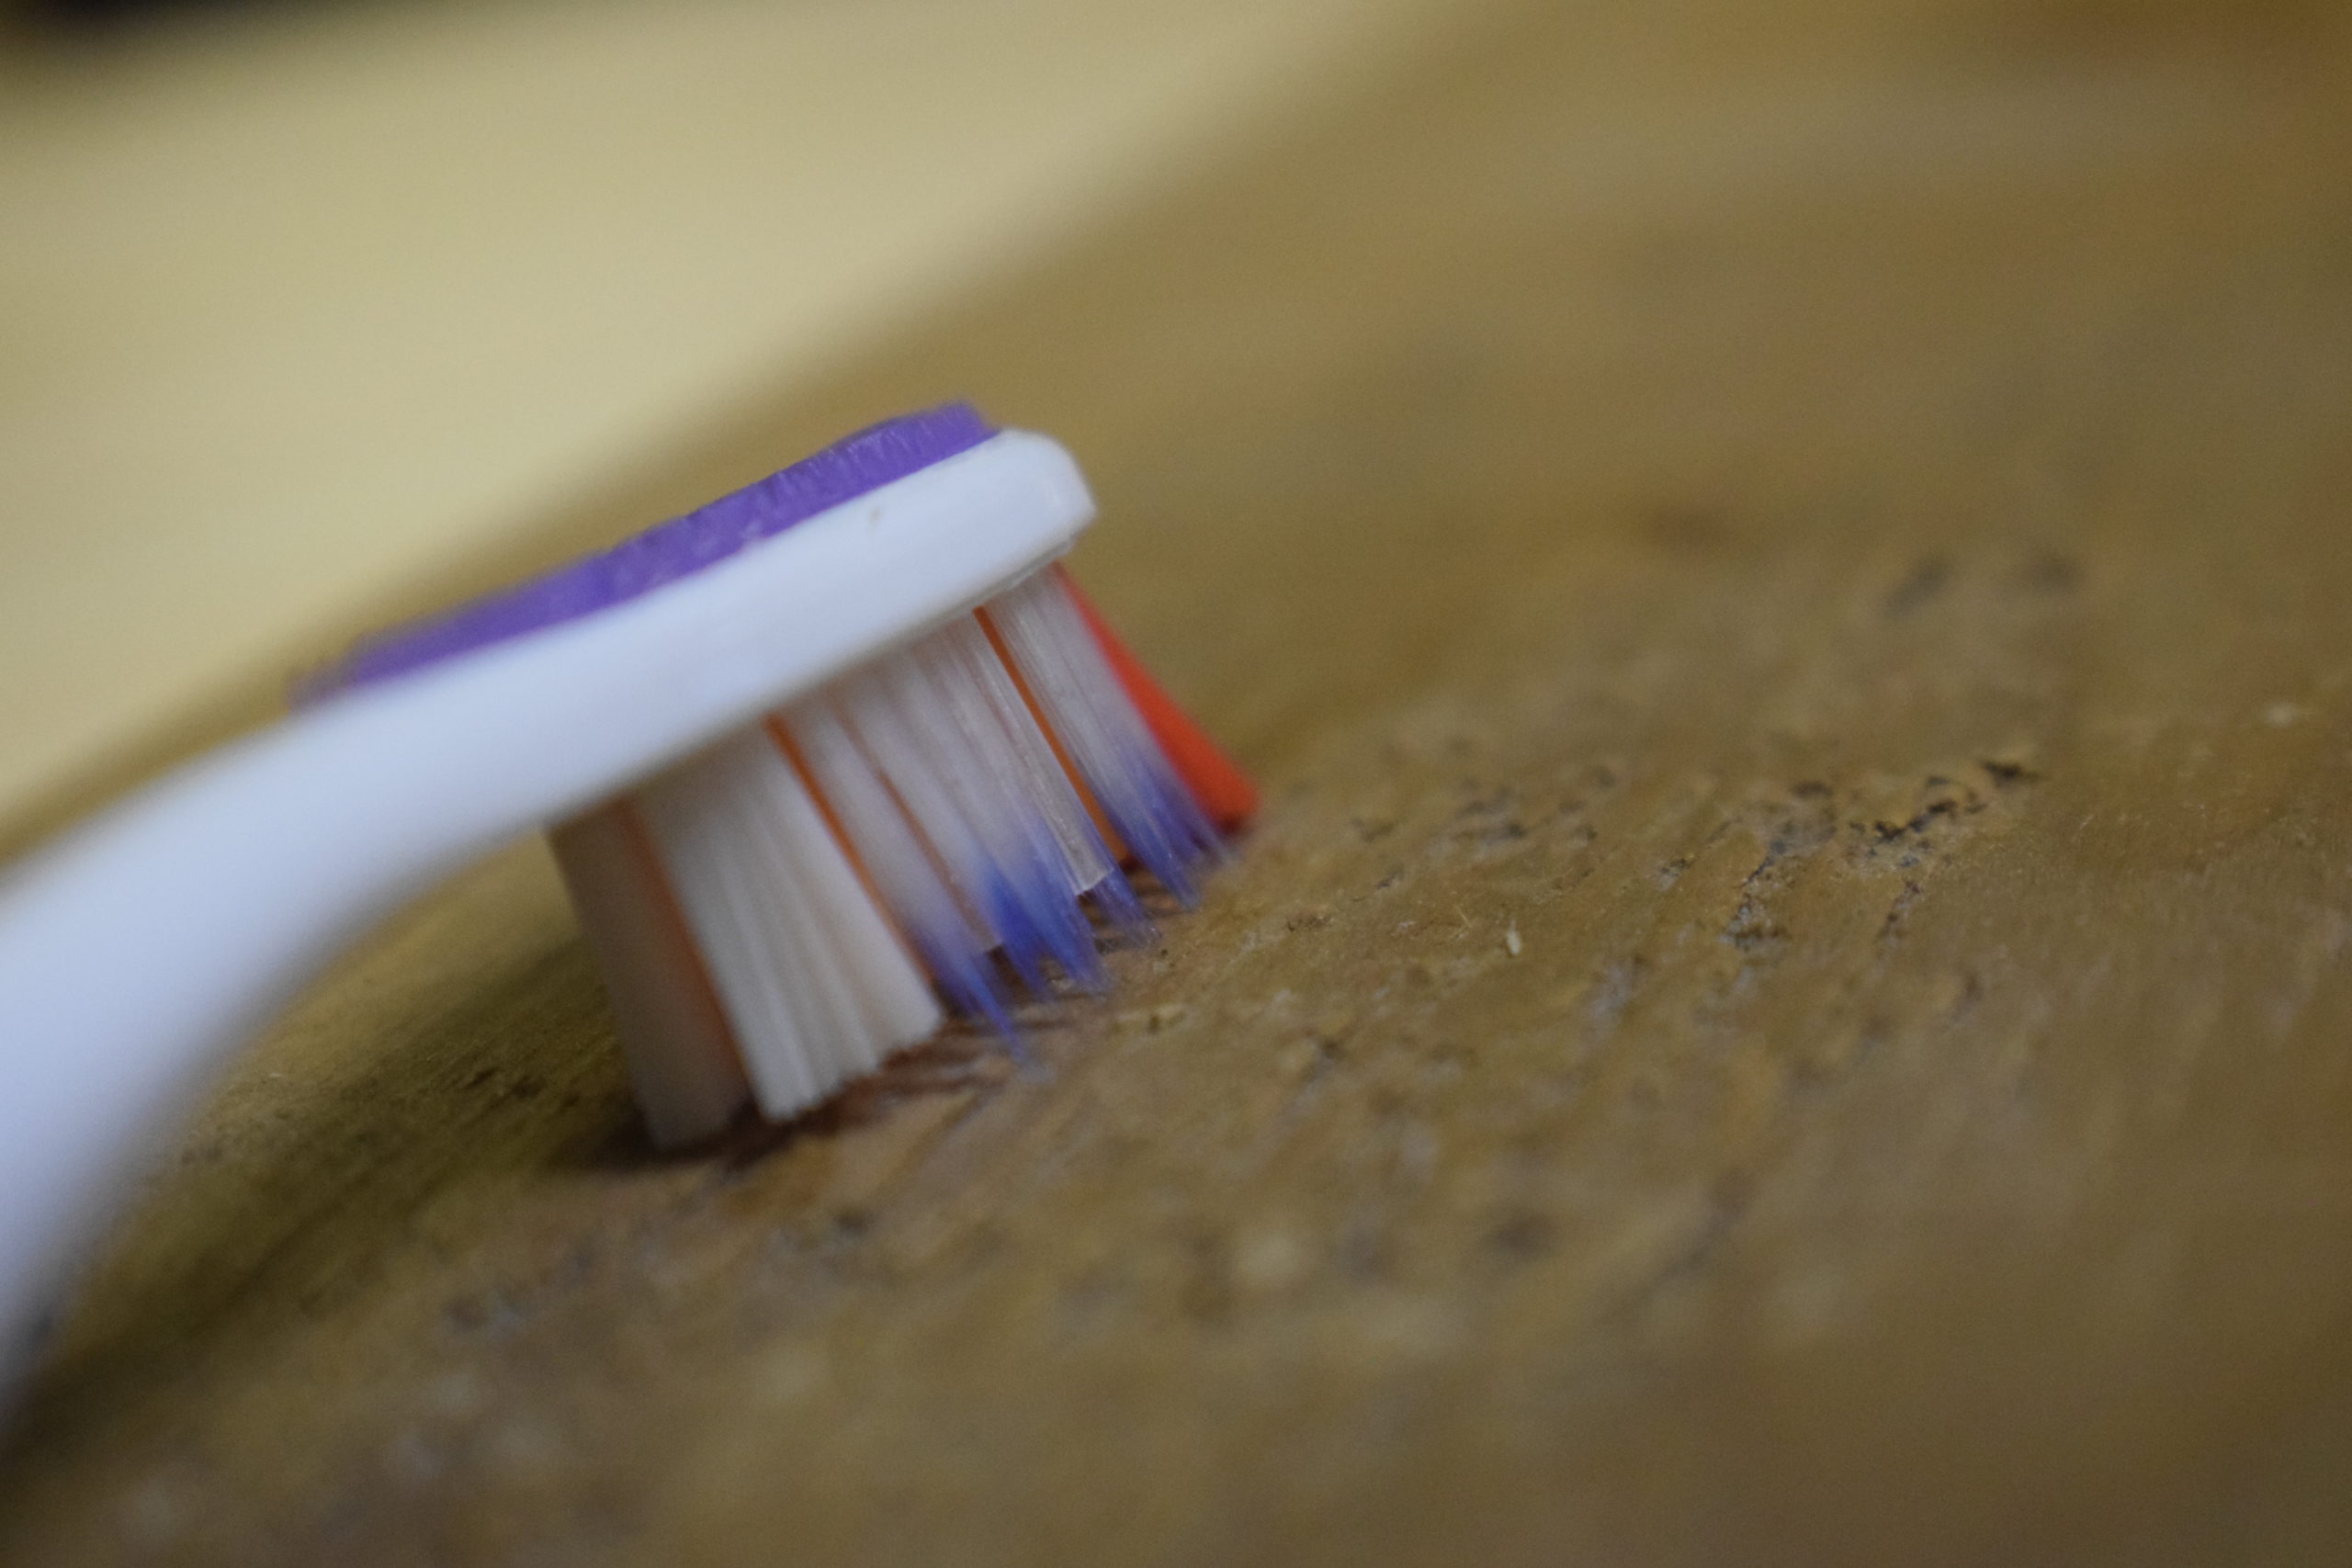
(137,953)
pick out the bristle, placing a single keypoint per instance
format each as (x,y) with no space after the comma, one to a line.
(674,1030)
(814,982)
(928,820)
(952,945)
(1146,804)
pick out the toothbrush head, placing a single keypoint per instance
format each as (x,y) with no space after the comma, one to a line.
(822,761)
(943,812)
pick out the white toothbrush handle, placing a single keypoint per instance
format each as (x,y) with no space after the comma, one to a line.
(140,950)
(137,954)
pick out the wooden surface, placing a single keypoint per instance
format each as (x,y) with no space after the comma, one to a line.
(1784,567)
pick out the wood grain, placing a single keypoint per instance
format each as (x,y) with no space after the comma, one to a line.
(1782,566)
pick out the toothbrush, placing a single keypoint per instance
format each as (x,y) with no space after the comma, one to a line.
(820,761)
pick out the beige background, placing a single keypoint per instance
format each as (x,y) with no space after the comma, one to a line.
(303,306)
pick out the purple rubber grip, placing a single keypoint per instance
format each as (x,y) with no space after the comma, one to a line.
(667,551)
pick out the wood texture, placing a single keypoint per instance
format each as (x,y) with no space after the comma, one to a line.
(1782,566)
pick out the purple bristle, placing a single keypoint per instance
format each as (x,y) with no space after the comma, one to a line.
(668,551)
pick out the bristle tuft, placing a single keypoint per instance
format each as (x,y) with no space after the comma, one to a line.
(814,983)
(1139,793)
(952,816)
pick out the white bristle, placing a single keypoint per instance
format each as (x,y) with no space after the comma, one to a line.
(816,985)
(901,864)
(945,752)
(1064,667)
(673,1032)
(1032,773)
(944,832)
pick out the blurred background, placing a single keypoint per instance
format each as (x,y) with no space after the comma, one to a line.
(1781,563)
(311,299)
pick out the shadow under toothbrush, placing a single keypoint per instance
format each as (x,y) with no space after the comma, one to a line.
(965,1057)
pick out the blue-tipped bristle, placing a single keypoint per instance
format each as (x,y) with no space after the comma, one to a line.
(1113,898)
(958,780)
(965,759)
(1168,835)
(970,988)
